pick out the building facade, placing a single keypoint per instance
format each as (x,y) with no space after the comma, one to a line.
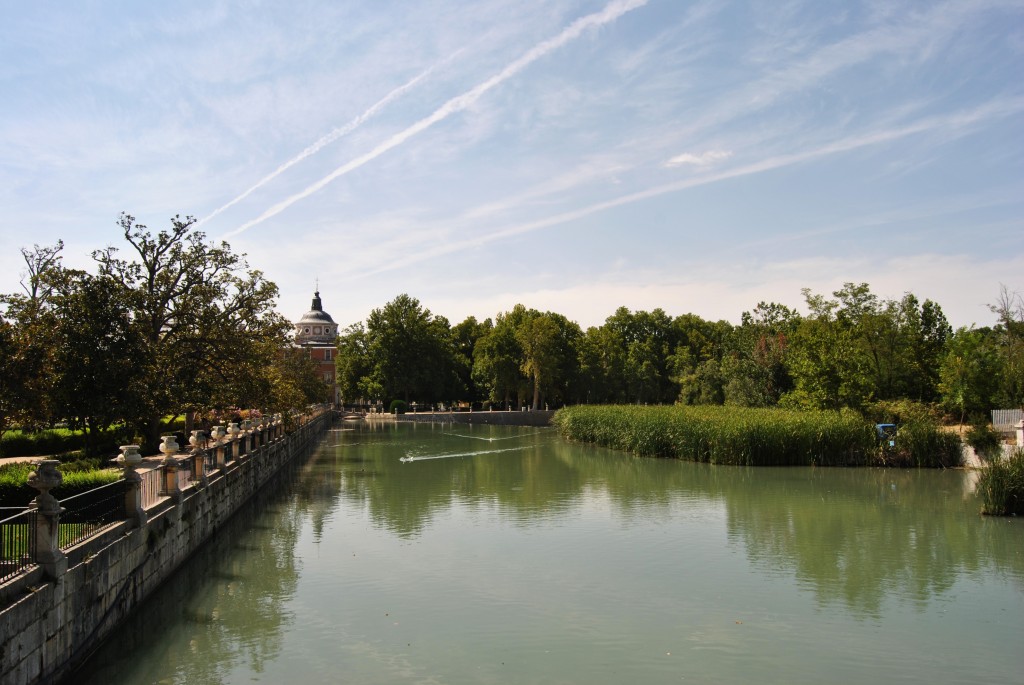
(316,333)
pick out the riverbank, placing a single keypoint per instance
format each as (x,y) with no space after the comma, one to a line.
(54,613)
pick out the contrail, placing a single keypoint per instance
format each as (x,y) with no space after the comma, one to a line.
(955,121)
(336,133)
(458,103)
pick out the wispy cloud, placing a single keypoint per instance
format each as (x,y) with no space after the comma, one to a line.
(335,134)
(703,159)
(946,124)
(457,104)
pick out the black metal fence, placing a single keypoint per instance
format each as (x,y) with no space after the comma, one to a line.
(17,540)
(89,511)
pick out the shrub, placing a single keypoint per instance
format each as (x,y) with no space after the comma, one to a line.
(985,441)
(397,407)
(1001,485)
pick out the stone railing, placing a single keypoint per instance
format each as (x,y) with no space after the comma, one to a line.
(94,575)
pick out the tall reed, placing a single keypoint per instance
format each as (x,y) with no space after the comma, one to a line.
(1001,485)
(751,437)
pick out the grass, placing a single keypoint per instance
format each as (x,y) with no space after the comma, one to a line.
(755,437)
(1001,485)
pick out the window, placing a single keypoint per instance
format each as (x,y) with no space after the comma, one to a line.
(306,329)
(327,355)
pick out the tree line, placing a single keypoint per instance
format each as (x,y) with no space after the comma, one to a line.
(167,325)
(851,350)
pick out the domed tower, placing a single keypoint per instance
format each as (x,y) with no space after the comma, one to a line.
(316,325)
(316,332)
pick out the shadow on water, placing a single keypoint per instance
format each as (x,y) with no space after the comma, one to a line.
(249,568)
(853,536)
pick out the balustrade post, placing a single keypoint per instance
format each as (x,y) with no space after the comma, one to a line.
(198,441)
(129,459)
(169,466)
(233,439)
(1020,434)
(219,446)
(254,437)
(47,552)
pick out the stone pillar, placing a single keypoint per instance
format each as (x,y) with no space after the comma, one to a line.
(219,446)
(233,440)
(169,466)
(129,459)
(1020,434)
(198,442)
(47,524)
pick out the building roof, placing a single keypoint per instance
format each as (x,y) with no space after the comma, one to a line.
(316,326)
(317,313)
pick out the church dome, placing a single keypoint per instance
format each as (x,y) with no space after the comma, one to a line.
(316,325)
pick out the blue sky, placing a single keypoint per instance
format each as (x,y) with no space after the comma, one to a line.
(572,156)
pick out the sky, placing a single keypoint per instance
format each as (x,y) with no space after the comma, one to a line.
(698,157)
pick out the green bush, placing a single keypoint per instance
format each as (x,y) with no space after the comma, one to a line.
(397,407)
(1001,485)
(54,441)
(985,441)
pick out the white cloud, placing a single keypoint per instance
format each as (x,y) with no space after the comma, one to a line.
(702,159)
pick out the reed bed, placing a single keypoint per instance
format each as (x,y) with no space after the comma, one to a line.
(1001,485)
(751,437)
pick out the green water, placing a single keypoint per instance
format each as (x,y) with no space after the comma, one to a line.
(505,555)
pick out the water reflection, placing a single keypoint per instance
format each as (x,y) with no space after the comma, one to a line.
(578,561)
(852,536)
(248,572)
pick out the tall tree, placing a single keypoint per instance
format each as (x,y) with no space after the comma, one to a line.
(95,345)
(410,353)
(202,313)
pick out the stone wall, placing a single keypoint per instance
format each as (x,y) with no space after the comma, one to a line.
(49,624)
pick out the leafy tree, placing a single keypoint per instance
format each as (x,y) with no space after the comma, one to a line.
(969,373)
(464,339)
(1010,336)
(498,359)
(202,314)
(352,364)
(410,353)
(95,345)
(26,371)
(857,348)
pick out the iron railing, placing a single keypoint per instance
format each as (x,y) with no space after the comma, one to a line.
(17,541)
(87,512)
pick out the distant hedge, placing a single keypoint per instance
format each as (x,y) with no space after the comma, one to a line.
(47,442)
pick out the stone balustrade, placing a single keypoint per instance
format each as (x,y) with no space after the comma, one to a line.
(55,610)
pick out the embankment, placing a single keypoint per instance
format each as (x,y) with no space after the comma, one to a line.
(49,625)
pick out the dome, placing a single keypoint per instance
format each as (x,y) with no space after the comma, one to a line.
(316,325)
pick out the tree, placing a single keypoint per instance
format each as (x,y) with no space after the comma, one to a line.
(203,316)
(96,380)
(464,339)
(498,358)
(26,370)
(969,373)
(409,353)
(539,338)
(1010,336)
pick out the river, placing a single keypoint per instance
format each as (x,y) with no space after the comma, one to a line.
(439,553)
